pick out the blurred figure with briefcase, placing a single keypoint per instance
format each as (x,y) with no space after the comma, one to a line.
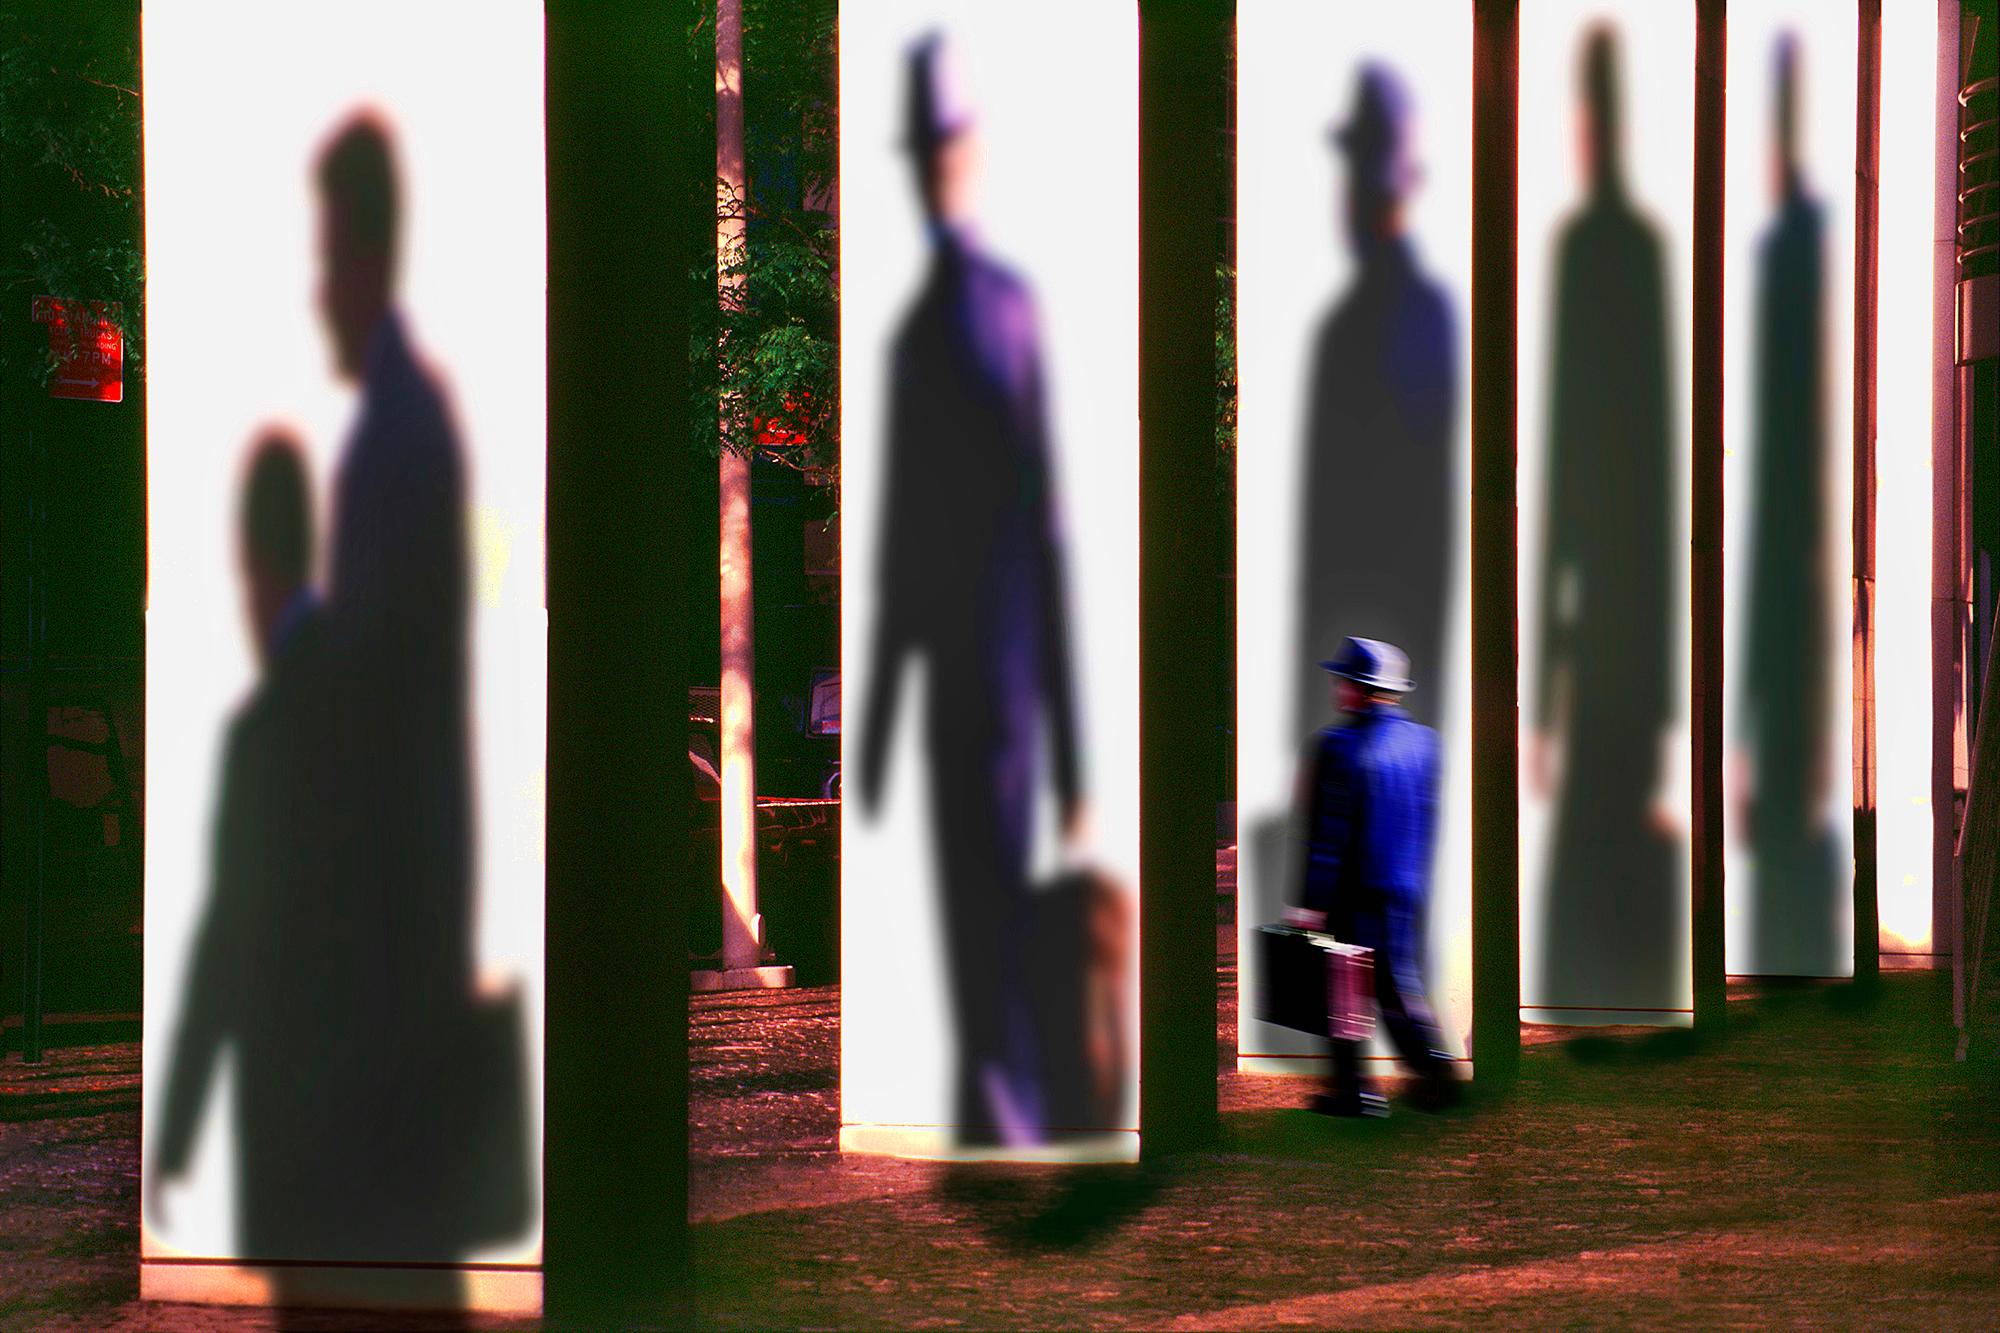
(1371,817)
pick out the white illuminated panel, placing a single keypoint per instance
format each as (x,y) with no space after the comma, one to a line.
(1609,928)
(240,96)
(1058,205)
(1298,70)
(1788,903)
(1903,480)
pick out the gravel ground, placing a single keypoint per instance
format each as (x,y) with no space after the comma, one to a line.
(1824,1163)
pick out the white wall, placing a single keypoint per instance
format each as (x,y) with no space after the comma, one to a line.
(1656,87)
(1825,36)
(1903,479)
(1057,88)
(239,96)
(1298,61)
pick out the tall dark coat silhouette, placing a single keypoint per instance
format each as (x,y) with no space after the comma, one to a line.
(1615,926)
(274,946)
(971,582)
(400,609)
(398,617)
(1786,671)
(1375,517)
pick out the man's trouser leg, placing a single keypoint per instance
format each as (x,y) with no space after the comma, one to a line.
(1399,991)
(982,855)
(1345,1084)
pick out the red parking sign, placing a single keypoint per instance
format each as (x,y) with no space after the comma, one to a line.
(88,349)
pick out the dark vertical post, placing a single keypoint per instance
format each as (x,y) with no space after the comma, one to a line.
(1867,239)
(1705,571)
(1182,48)
(1496,795)
(38,743)
(620,198)
(1948,739)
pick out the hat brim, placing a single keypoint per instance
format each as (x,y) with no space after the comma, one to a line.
(1392,685)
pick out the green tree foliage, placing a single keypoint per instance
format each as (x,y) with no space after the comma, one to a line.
(69,139)
(766,370)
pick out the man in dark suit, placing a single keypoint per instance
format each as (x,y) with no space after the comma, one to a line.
(398,616)
(971,581)
(1616,922)
(1375,520)
(271,949)
(1371,825)
(1376,504)
(398,598)
(1786,676)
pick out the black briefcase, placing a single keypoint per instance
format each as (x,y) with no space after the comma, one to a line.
(1311,982)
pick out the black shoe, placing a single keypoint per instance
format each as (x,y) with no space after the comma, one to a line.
(1364,1105)
(1438,1092)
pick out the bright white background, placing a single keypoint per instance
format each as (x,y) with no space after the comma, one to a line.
(1903,478)
(1825,143)
(1297,61)
(239,96)
(1057,89)
(1656,84)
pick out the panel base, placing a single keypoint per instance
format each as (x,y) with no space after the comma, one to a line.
(939,1143)
(1314,1066)
(493,1290)
(1592,1018)
(775,977)
(1911,962)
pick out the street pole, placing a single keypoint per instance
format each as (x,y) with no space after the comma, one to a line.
(626,177)
(742,925)
(1182,50)
(1710,984)
(38,756)
(1867,234)
(1496,803)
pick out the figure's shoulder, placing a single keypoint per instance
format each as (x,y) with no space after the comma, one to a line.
(248,744)
(1413,737)
(1575,233)
(1799,226)
(1338,326)
(1429,304)
(1385,731)
(998,278)
(407,396)
(1002,293)
(1338,743)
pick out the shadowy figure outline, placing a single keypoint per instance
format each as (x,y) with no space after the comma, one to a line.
(971,582)
(381,1112)
(1784,697)
(1614,928)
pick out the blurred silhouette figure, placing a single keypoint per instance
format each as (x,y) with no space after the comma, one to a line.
(1615,920)
(381,1110)
(1376,508)
(1371,829)
(445,1105)
(273,949)
(398,590)
(1786,668)
(971,582)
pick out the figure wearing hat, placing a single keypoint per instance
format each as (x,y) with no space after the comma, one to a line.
(1376,501)
(1372,816)
(1602,707)
(971,582)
